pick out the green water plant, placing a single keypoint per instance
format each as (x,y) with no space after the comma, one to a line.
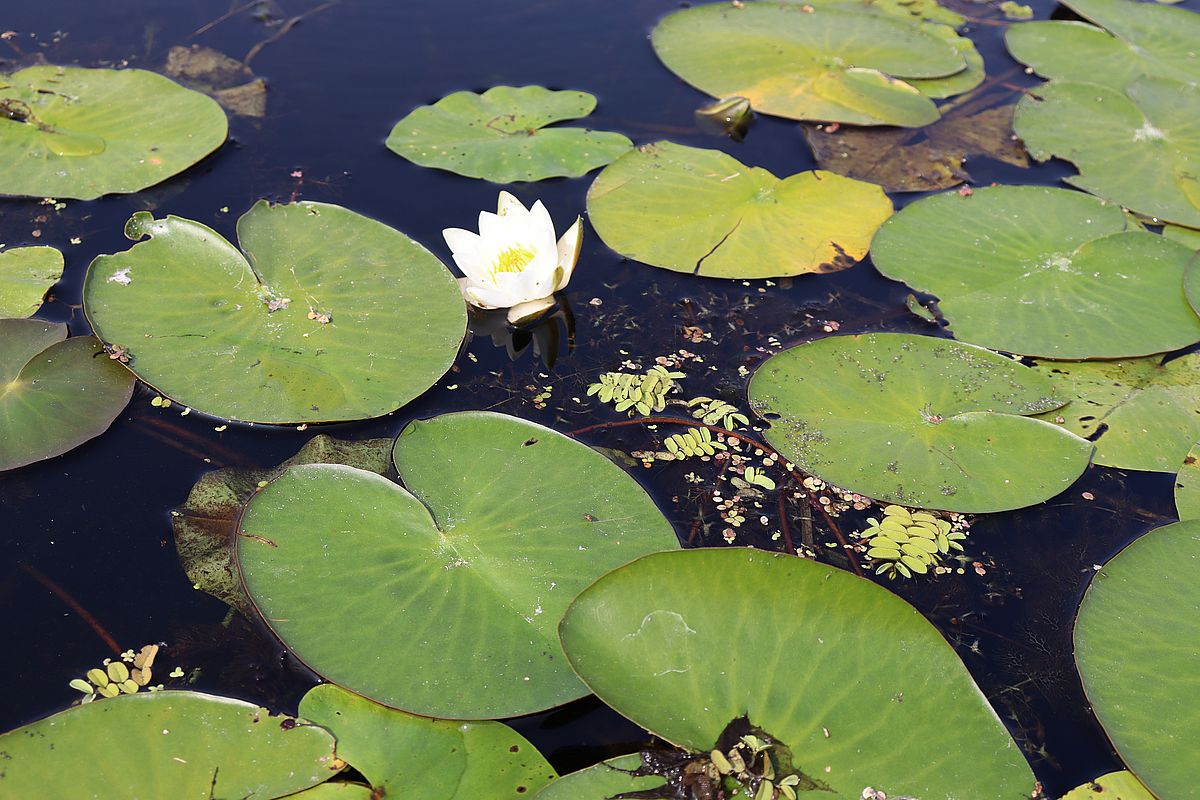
(905,543)
(644,393)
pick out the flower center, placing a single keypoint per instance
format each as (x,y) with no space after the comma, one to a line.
(512,259)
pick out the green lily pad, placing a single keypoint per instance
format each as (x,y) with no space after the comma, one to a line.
(330,315)
(1146,414)
(468,571)
(910,10)
(181,745)
(81,133)
(601,781)
(1042,272)
(1189,237)
(852,680)
(402,754)
(1121,785)
(831,64)
(331,790)
(25,275)
(501,135)
(1137,147)
(1187,486)
(55,393)
(205,527)
(924,422)
(1136,646)
(703,212)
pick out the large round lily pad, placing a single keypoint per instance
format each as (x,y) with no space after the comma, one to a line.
(601,781)
(1137,147)
(81,133)
(826,63)
(849,678)
(703,212)
(1137,643)
(501,135)
(1042,271)
(169,744)
(919,421)
(468,574)
(55,393)
(330,315)
(25,275)
(1146,413)
(402,754)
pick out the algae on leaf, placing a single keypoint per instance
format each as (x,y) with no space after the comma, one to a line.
(81,133)
(501,135)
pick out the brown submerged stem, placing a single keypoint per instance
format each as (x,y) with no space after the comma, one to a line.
(73,604)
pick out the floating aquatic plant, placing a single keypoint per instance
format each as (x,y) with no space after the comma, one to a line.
(644,394)
(905,542)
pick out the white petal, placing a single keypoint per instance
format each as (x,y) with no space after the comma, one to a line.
(459,240)
(528,310)
(483,296)
(491,227)
(539,219)
(508,204)
(465,247)
(568,252)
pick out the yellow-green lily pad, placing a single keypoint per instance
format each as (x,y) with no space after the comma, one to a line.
(601,781)
(1187,486)
(703,212)
(501,135)
(25,275)
(82,133)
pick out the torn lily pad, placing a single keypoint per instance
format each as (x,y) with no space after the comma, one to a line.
(81,133)
(468,566)
(501,135)
(1137,146)
(449,760)
(55,393)
(329,315)
(703,212)
(918,421)
(685,663)
(26,273)
(184,745)
(1042,272)
(1143,414)
(826,63)
(1135,645)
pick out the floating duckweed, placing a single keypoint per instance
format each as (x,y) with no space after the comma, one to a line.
(644,393)
(694,442)
(711,411)
(906,542)
(116,678)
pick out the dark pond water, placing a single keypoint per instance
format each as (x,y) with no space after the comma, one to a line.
(95,525)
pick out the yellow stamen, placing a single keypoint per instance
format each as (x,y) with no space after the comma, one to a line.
(513,259)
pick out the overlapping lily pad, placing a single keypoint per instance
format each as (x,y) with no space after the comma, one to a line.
(1143,414)
(1137,147)
(1122,785)
(919,421)
(169,744)
(833,64)
(1136,646)
(25,275)
(1187,486)
(845,675)
(501,135)
(1043,272)
(329,315)
(81,133)
(601,781)
(402,754)
(55,393)
(468,571)
(703,212)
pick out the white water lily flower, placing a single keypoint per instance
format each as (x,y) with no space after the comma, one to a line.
(514,261)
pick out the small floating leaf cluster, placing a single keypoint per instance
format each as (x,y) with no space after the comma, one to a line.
(644,394)
(905,542)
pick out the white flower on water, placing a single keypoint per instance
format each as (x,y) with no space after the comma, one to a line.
(514,261)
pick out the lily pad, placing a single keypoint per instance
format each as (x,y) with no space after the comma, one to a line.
(330,315)
(1137,148)
(468,571)
(206,526)
(826,63)
(933,157)
(1121,785)
(1042,272)
(25,275)
(1187,486)
(703,212)
(501,135)
(402,754)
(81,133)
(852,680)
(1142,414)
(1136,646)
(331,790)
(181,745)
(601,781)
(55,393)
(1189,237)
(923,422)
